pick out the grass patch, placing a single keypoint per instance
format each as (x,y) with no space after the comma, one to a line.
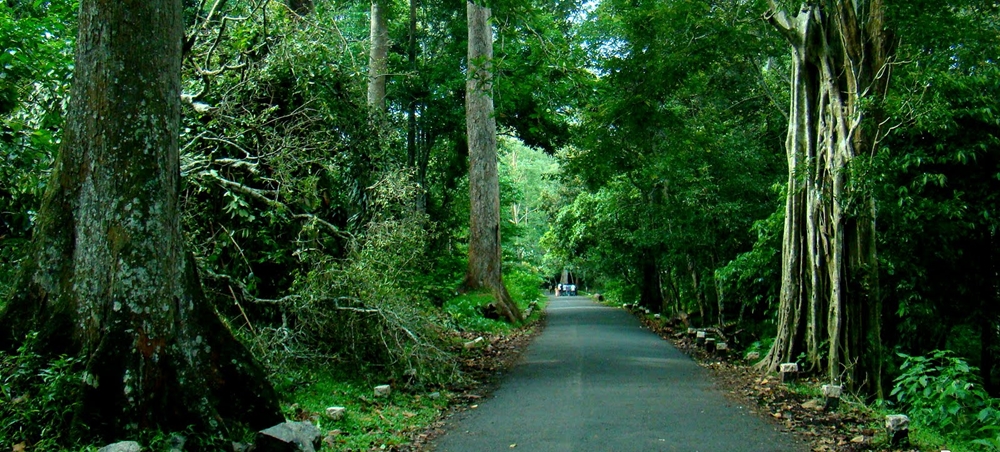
(369,421)
(466,310)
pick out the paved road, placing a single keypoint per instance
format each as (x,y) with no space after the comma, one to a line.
(594,381)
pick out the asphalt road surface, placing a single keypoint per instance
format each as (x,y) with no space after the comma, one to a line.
(595,381)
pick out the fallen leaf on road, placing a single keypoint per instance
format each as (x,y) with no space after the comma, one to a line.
(513,445)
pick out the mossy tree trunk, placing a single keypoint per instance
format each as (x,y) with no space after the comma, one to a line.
(484,184)
(110,280)
(840,54)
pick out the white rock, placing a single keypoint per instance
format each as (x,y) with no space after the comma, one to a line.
(789,367)
(383,390)
(303,434)
(336,413)
(122,446)
(896,422)
(474,342)
(833,391)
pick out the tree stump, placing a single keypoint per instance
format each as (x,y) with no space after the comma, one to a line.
(700,337)
(710,344)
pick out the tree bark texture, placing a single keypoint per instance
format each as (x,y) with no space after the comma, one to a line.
(378,58)
(829,288)
(111,281)
(484,184)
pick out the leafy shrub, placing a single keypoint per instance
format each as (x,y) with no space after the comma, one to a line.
(465,311)
(524,286)
(617,291)
(360,312)
(36,397)
(944,392)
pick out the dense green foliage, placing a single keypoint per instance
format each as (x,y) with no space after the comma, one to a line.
(676,153)
(36,45)
(320,237)
(945,393)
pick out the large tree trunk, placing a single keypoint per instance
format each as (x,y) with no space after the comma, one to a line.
(378,59)
(829,288)
(110,281)
(484,184)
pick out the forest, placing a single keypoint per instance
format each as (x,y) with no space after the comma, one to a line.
(212,209)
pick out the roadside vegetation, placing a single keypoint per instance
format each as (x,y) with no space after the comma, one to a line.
(948,407)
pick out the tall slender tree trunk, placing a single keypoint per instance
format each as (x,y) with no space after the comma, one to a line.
(829,290)
(416,159)
(110,281)
(696,287)
(411,106)
(484,185)
(378,57)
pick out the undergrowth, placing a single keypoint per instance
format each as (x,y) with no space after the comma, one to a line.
(369,421)
(466,310)
(942,395)
(34,395)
